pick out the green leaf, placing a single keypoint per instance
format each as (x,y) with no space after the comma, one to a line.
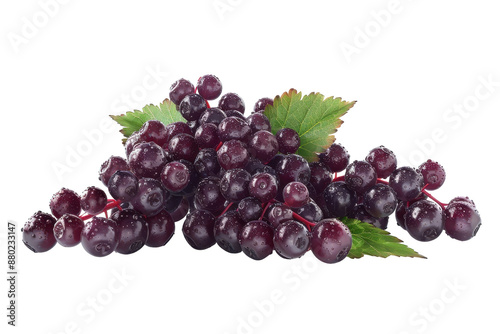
(370,240)
(133,120)
(314,118)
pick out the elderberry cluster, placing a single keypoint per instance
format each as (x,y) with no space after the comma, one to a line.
(244,188)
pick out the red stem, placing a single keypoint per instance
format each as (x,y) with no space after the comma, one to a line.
(264,211)
(111,204)
(441,204)
(338,178)
(382,181)
(303,220)
(218,146)
(225,209)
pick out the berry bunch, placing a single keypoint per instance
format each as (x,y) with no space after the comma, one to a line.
(240,186)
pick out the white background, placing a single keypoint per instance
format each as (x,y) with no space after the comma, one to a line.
(89,59)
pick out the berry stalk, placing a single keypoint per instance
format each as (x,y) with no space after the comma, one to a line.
(111,204)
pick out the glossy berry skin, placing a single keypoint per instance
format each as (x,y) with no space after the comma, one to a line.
(173,202)
(180,89)
(310,211)
(192,106)
(133,231)
(232,101)
(206,136)
(234,184)
(183,146)
(198,229)
(173,129)
(193,125)
(234,128)
(123,206)
(433,174)
(258,121)
(65,201)
(208,195)
(226,231)
(263,186)
(179,213)
(321,176)
(380,201)
(206,163)
(175,176)
(462,221)
(424,220)
(278,213)
(254,166)
(402,207)
(235,113)
(383,161)
(360,176)
(161,228)
(331,240)
(276,160)
(68,230)
(263,146)
(295,194)
(151,197)
(261,104)
(400,214)
(154,131)
(123,186)
(292,168)
(38,232)
(93,200)
(407,182)
(193,180)
(110,166)
(256,239)
(249,209)
(132,140)
(339,199)
(147,160)
(335,157)
(291,239)
(100,236)
(209,86)
(288,140)
(463,199)
(361,214)
(233,154)
(212,115)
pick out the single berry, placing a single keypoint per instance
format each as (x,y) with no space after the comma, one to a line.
(295,194)
(93,200)
(38,234)
(331,240)
(433,173)
(209,86)
(288,140)
(65,201)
